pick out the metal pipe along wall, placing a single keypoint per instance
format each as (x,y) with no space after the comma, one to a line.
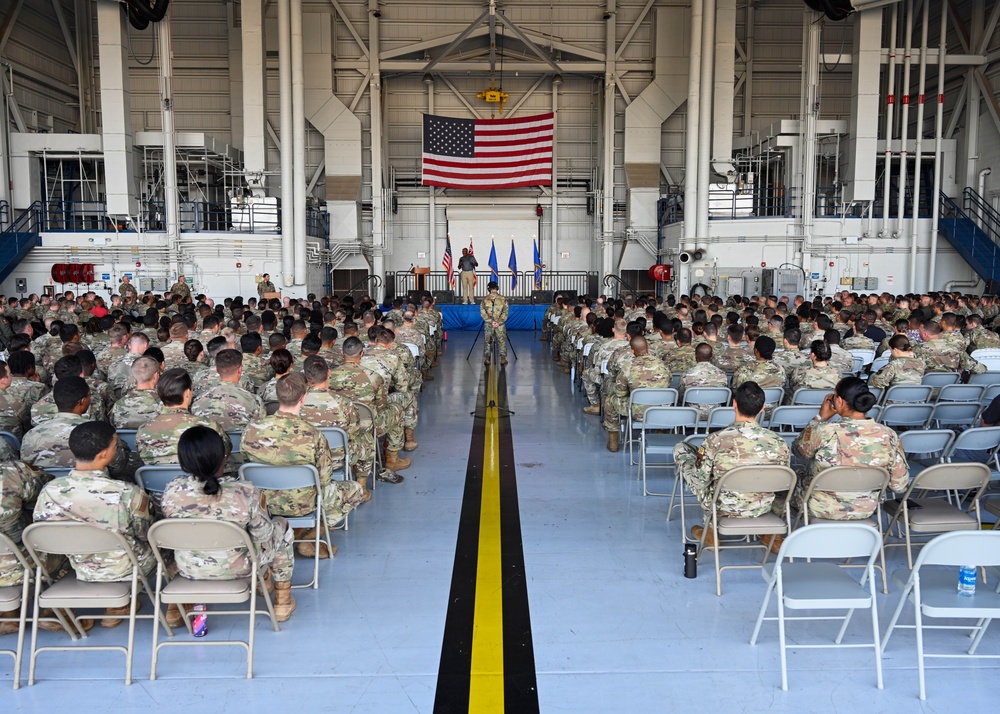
(285,127)
(298,144)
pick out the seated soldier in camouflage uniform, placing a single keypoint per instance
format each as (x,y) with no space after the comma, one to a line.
(88,495)
(819,374)
(15,415)
(940,356)
(644,371)
(254,366)
(202,493)
(613,334)
(903,367)
(24,385)
(287,439)
(743,443)
(703,374)
(141,405)
(681,358)
(280,361)
(45,408)
(853,441)
(979,337)
(734,355)
(791,357)
(228,404)
(120,371)
(47,445)
(379,355)
(324,409)
(157,440)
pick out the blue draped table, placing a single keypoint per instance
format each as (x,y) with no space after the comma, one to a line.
(467,317)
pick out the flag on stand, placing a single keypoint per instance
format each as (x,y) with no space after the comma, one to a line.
(494,268)
(538,269)
(487,154)
(512,264)
(447,261)
(475,278)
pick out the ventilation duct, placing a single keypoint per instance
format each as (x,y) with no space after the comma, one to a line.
(141,13)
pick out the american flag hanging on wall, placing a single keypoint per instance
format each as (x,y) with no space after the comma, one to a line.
(487,154)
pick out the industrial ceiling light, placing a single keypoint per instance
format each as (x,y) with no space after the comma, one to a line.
(428,79)
(840,9)
(557,79)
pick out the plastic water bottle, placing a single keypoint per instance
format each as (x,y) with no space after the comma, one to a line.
(200,624)
(967,581)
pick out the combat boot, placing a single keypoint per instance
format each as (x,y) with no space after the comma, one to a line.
(428,377)
(411,443)
(613,441)
(393,462)
(544,337)
(284,603)
(9,628)
(174,616)
(710,541)
(363,482)
(112,618)
(87,624)
(307,548)
(773,542)
(592,409)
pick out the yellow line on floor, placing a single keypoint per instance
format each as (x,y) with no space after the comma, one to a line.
(486,688)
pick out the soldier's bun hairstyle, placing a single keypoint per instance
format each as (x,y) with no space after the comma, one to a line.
(172,385)
(765,346)
(202,453)
(820,350)
(900,342)
(856,394)
(69,392)
(281,361)
(89,439)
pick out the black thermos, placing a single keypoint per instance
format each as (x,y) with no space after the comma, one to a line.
(690,560)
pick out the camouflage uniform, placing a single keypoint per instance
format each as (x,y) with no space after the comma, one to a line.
(955,339)
(135,409)
(790,360)
(47,446)
(109,356)
(764,373)
(740,444)
(813,377)
(14,415)
(939,356)
(257,370)
(397,379)
(120,372)
(857,342)
(182,289)
(268,391)
(229,406)
(592,376)
(323,409)
(45,408)
(239,503)
(25,390)
(982,338)
(206,379)
(731,358)
(20,485)
(681,359)
(173,355)
(493,308)
(92,497)
(128,292)
(354,383)
(156,441)
(849,442)
(644,371)
(703,374)
(287,440)
(841,359)
(899,370)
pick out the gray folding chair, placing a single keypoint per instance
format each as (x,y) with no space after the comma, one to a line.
(961,393)
(702,396)
(282,478)
(73,538)
(902,416)
(12,441)
(791,418)
(925,445)
(748,479)
(414,349)
(990,392)
(989,357)
(932,592)
(673,420)
(908,394)
(154,479)
(811,397)
(948,415)
(684,498)
(337,439)
(878,363)
(939,379)
(15,598)
(851,480)
(981,438)
(644,397)
(57,471)
(720,418)
(986,378)
(271,408)
(236,437)
(867,356)
(930,514)
(878,392)
(206,534)
(128,436)
(803,584)
(773,395)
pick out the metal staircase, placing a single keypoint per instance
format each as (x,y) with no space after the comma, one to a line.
(17,240)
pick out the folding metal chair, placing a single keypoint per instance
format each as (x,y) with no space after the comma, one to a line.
(791,418)
(773,395)
(281,478)
(236,437)
(878,392)
(932,515)
(811,397)
(206,534)
(939,379)
(748,479)
(878,363)
(849,480)
(414,349)
(57,471)
(902,416)
(961,393)
(867,357)
(648,397)
(16,598)
(678,490)
(933,592)
(73,538)
(925,445)
(908,394)
(12,441)
(271,408)
(337,439)
(128,436)
(671,419)
(990,357)
(990,392)
(987,378)
(804,584)
(954,414)
(980,438)
(702,396)
(154,479)
(720,418)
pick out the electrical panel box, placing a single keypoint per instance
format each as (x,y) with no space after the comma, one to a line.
(783,282)
(156,285)
(735,285)
(865,284)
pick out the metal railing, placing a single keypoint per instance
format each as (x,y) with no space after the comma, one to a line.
(830,204)
(977,245)
(4,215)
(617,286)
(582,283)
(735,203)
(980,211)
(368,285)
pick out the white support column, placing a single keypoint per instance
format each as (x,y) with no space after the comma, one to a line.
(375,96)
(287,162)
(938,136)
(810,116)
(705,113)
(974,99)
(254,94)
(554,240)
(171,205)
(691,144)
(116,119)
(608,210)
(431,201)
(921,87)
(298,147)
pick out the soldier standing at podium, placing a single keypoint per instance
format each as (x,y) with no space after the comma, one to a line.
(265,285)
(494,312)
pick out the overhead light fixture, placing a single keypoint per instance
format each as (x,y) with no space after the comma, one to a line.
(557,79)
(428,79)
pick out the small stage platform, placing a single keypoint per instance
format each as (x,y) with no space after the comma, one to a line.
(467,317)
